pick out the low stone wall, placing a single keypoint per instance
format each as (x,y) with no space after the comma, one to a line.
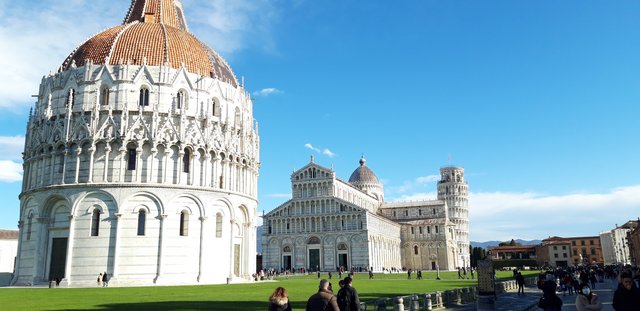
(436,300)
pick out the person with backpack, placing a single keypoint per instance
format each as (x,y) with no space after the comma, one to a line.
(324,299)
(348,299)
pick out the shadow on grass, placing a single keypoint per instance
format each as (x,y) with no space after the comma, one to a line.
(190,305)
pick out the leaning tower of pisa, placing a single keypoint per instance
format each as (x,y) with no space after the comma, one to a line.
(453,189)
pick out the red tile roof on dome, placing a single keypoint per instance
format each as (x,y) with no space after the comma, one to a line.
(154,33)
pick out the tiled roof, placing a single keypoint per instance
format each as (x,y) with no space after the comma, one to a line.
(154,33)
(363,174)
(8,234)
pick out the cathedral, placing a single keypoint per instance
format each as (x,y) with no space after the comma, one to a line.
(330,224)
(141,160)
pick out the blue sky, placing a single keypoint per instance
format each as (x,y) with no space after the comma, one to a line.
(538,100)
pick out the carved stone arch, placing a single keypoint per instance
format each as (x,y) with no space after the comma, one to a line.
(192,204)
(151,201)
(96,199)
(313,240)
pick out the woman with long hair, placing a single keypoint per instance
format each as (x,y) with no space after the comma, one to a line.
(279,300)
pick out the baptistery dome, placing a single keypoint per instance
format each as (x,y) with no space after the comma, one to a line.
(154,33)
(141,160)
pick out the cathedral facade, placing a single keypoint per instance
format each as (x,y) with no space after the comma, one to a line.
(141,160)
(330,224)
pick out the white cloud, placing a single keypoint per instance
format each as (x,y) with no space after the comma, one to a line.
(10,171)
(232,25)
(502,216)
(324,151)
(266,92)
(410,186)
(311,147)
(36,37)
(11,147)
(328,153)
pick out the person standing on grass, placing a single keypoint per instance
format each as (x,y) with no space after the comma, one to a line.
(279,300)
(348,299)
(100,279)
(105,279)
(323,300)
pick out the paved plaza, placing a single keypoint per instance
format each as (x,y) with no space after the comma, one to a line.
(511,301)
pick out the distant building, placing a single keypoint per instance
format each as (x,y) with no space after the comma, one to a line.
(554,253)
(615,246)
(329,223)
(8,251)
(584,250)
(513,252)
(633,239)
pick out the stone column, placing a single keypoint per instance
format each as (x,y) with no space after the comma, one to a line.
(200,259)
(92,151)
(77,173)
(138,171)
(116,249)
(64,164)
(107,151)
(152,166)
(159,275)
(69,262)
(53,165)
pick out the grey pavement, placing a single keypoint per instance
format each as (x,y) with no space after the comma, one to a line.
(511,301)
(604,290)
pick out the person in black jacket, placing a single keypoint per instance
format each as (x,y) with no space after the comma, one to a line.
(348,299)
(627,296)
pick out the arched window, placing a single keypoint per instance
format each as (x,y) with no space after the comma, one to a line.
(215,108)
(29,223)
(429,229)
(142,218)
(144,97)
(184,223)
(131,159)
(436,229)
(218,225)
(95,222)
(415,249)
(186,159)
(412,231)
(238,120)
(181,100)
(313,240)
(104,96)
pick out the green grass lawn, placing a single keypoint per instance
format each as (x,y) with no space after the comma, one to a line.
(250,296)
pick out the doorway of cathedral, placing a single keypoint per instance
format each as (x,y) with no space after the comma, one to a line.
(343,262)
(286,262)
(433,265)
(58,258)
(314,259)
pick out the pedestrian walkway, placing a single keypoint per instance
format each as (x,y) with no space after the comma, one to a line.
(511,301)
(604,291)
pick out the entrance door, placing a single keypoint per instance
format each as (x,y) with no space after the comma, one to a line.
(286,262)
(342,261)
(58,258)
(433,265)
(314,259)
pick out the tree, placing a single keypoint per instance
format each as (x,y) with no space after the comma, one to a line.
(510,243)
(477,253)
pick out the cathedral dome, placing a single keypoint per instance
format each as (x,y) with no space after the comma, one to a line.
(363,174)
(154,33)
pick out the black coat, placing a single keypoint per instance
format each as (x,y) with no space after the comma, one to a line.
(626,300)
